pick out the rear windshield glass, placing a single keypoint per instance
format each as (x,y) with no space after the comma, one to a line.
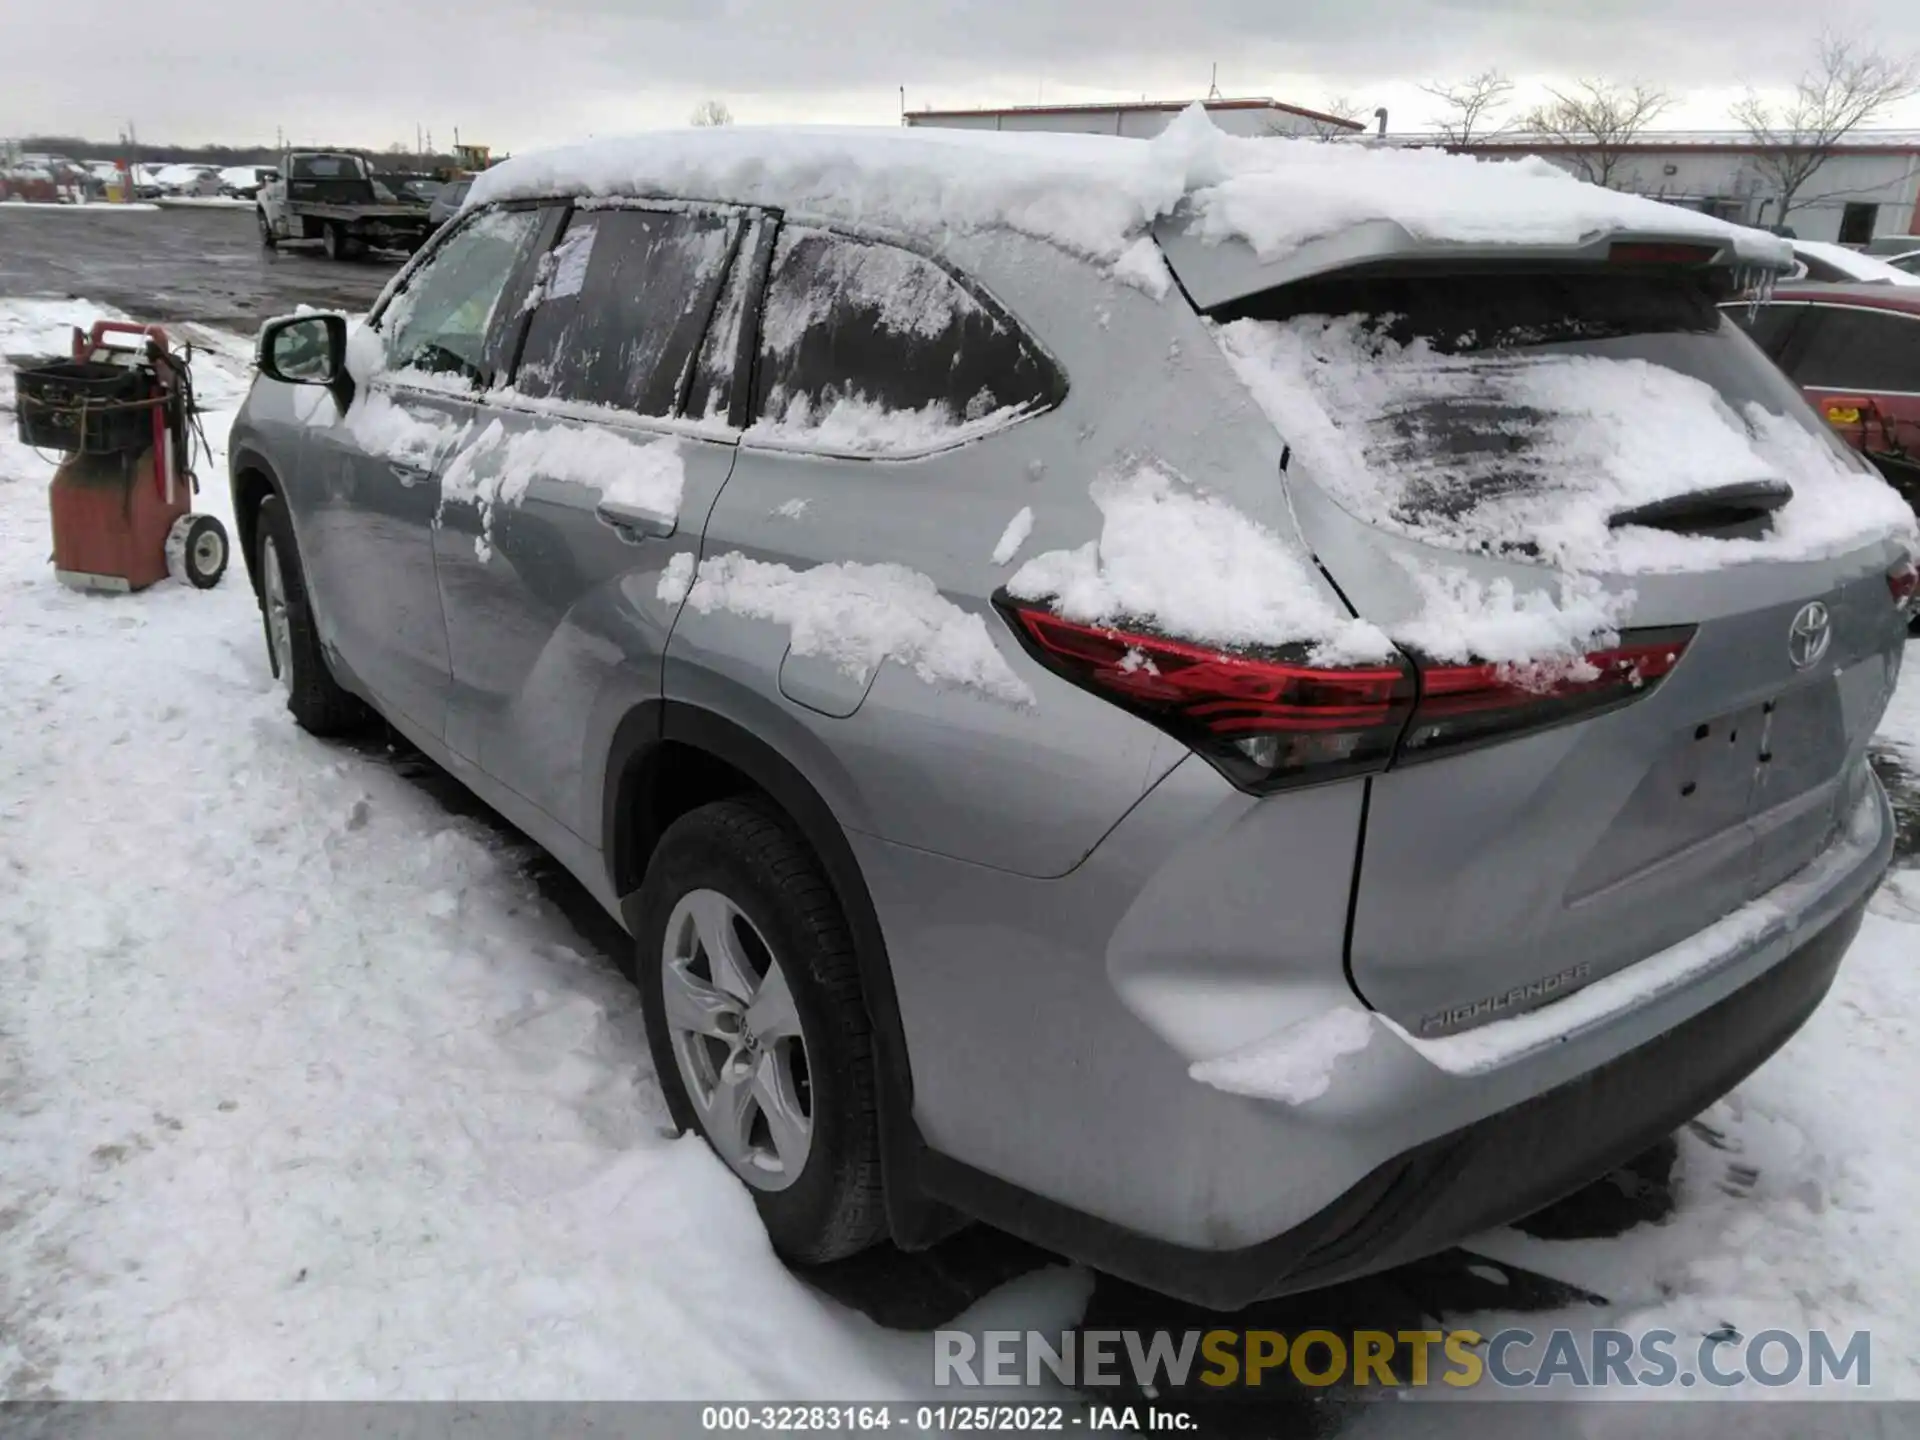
(1473,408)
(325,167)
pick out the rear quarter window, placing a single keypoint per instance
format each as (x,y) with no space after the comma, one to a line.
(870,348)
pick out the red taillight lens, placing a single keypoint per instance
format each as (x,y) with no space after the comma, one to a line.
(1904,581)
(1265,720)
(1270,720)
(1466,705)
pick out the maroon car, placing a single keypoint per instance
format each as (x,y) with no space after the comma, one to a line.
(1855,351)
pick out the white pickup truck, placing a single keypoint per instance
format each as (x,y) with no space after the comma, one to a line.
(333,196)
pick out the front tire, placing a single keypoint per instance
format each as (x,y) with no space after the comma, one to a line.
(318,703)
(757,1025)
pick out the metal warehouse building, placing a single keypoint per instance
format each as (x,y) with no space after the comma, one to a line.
(1142,120)
(1869,187)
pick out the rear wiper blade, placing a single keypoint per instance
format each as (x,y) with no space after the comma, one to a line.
(1723,512)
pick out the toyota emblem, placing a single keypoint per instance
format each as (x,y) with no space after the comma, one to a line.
(1809,635)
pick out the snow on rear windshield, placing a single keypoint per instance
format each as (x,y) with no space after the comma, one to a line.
(1515,415)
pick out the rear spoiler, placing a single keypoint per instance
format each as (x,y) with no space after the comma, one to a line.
(1217,272)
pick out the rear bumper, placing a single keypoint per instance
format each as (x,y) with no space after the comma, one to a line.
(1485,1174)
(1408,1155)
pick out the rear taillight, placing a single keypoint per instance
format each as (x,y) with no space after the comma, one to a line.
(1265,720)
(1904,581)
(1465,705)
(1270,720)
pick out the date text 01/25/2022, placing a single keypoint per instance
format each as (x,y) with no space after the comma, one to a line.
(941,1419)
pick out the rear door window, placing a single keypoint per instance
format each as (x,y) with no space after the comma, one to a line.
(866,347)
(715,394)
(619,306)
(1853,348)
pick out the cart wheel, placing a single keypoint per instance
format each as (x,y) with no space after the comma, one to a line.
(197,551)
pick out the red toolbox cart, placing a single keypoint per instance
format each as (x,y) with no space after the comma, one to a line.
(122,501)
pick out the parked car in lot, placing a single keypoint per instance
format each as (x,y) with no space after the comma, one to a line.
(1855,351)
(1836,264)
(243,182)
(447,203)
(909,620)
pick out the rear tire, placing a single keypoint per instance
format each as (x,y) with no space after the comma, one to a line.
(318,703)
(740,860)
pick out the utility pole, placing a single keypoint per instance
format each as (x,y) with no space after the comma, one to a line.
(1213,85)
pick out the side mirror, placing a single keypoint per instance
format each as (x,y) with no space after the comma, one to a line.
(304,349)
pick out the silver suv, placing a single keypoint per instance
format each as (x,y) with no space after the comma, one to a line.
(1045,778)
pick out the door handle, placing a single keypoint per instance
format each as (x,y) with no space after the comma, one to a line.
(633,523)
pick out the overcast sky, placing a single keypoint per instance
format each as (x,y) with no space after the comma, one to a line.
(515,74)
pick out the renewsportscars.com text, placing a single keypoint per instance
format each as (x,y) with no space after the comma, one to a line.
(1459,1359)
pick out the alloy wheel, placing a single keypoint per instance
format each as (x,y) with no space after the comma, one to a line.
(737,1040)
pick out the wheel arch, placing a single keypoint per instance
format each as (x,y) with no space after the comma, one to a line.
(669,757)
(253,480)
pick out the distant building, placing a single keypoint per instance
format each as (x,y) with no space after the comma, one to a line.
(1143,119)
(1870,186)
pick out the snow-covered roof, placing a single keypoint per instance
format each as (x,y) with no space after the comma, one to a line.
(1092,194)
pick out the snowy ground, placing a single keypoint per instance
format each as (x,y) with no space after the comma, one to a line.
(307,1089)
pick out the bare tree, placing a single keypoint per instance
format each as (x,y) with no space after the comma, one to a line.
(1845,88)
(711,112)
(1340,115)
(1599,122)
(1470,107)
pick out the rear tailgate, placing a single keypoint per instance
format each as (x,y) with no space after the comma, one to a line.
(1464,445)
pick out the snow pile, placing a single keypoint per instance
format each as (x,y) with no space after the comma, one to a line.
(1509,452)
(409,437)
(1190,565)
(308,1089)
(1294,1066)
(1095,194)
(1142,266)
(858,425)
(1014,536)
(855,616)
(1464,619)
(645,478)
